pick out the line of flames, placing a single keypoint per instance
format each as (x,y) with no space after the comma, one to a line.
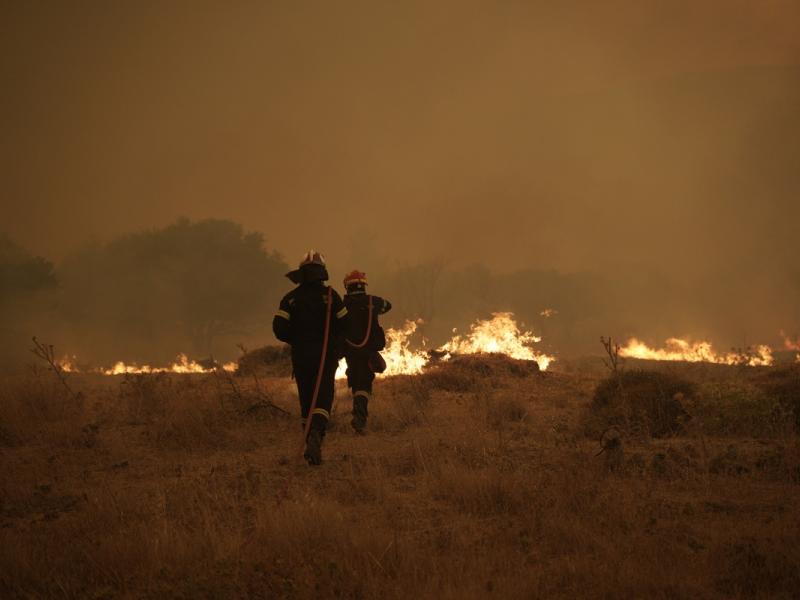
(500,334)
(182,364)
(676,349)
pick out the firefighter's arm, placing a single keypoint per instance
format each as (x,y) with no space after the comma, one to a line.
(385,306)
(282,322)
(339,317)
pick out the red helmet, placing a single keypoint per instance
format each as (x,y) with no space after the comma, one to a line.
(355,277)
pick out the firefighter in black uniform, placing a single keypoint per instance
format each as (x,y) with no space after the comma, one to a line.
(301,322)
(363,341)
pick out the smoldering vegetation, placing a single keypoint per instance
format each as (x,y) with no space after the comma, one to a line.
(478,478)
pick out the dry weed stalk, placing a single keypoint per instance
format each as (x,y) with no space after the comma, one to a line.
(47,353)
(264,402)
(615,364)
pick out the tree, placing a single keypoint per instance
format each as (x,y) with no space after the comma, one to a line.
(21,273)
(189,283)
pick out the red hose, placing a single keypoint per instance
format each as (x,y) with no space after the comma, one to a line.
(369,328)
(322,358)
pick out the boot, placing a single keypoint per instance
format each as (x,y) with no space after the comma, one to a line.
(313,453)
(359,420)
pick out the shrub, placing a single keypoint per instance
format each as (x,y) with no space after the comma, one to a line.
(645,400)
(783,386)
(270,360)
(737,408)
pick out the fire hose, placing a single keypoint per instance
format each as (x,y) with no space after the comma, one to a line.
(369,328)
(322,358)
(282,493)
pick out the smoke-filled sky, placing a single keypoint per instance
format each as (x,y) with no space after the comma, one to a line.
(577,136)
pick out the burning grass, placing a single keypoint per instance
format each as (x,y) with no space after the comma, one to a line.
(481,483)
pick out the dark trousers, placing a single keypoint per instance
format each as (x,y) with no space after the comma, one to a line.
(359,375)
(305,362)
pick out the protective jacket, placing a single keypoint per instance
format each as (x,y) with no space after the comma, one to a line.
(300,322)
(361,333)
(364,338)
(300,319)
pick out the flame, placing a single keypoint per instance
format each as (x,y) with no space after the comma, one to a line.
(791,344)
(400,358)
(500,334)
(181,365)
(67,364)
(683,350)
(548,312)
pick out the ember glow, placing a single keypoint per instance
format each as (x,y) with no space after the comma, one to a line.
(682,350)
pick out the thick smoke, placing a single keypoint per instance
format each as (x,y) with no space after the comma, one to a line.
(633,165)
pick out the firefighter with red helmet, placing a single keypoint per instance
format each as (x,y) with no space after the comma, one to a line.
(364,339)
(312,319)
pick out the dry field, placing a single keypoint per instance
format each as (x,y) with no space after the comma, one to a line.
(479,479)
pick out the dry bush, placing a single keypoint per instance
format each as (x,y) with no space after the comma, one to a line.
(783,386)
(37,407)
(405,400)
(470,372)
(649,401)
(274,361)
(735,408)
(144,397)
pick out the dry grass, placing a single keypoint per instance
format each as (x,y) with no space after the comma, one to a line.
(474,481)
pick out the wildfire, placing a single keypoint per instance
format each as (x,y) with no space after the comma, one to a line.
(400,358)
(500,334)
(182,364)
(683,350)
(67,364)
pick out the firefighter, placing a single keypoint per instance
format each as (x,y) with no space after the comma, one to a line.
(363,341)
(301,322)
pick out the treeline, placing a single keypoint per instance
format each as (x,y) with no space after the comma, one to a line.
(196,287)
(204,287)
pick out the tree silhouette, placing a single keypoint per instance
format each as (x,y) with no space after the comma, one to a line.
(189,282)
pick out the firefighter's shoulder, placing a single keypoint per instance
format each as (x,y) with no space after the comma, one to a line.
(285,307)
